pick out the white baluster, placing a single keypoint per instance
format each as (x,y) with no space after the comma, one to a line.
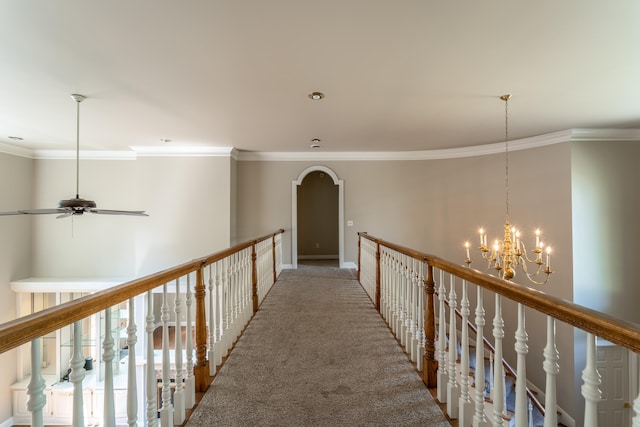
(453,391)
(413,325)
(420,335)
(530,423)
(551,368)
(479,417)
(132,383)
(636,410)
(464,404)
(591,387)
(178,396)
(166,412)
(398,284)
(212,321)
(491,381)
(190,382)
(522,349)
(498,374)
(152,384)
(35,389)
(108,354)
(217,353)
(442,336)
(77,374)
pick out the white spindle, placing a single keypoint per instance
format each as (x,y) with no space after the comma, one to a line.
(551,368)
(190,383)
(464,403)
(225,308)
(406,289)
(108,354)
(217,350)
(76,376)
(498,374)
(132,384)
(522,349)
(453,391)
(490,384)
(35,389)
(591,387)
(636,410)
(152,387)
(479,417)
(412,343)
(420,335)
(398,284)
(212,320)
(178,396)
(442,336)
(166,412)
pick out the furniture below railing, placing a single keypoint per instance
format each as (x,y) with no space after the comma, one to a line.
(401,282)
(237,281)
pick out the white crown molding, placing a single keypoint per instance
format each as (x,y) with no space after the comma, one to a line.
(570,135)
(87,155)
(15,151)
(184,151)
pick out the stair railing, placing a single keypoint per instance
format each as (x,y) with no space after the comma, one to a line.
(238,278)
(389,272)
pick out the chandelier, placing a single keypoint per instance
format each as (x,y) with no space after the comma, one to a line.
(509,253)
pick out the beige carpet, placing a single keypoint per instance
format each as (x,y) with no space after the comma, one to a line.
(317,354)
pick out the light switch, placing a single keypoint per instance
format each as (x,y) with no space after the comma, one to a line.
(349,223)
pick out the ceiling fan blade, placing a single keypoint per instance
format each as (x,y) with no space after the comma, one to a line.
(65,215)
(115,212)
(42,211)
(12,213)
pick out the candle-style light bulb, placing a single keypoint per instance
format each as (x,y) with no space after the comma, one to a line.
(548,257)
(466,246)
(537,238)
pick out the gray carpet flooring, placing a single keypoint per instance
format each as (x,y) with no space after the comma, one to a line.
(317,354)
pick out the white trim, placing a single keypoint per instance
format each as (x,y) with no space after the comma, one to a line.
(15,151)
(350,265)
(87,155)
(144,151)
(7,423)
(287,266)
(450,153)
(318,256)
(294,212)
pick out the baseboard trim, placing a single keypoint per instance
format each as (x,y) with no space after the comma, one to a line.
(318,257)
(7,423)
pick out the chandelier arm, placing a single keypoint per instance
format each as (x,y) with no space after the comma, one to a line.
(532,276)
(537,260)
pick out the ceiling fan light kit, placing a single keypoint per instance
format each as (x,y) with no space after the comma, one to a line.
(77,205)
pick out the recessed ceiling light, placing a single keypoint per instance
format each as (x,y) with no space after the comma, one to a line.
(15,138)
(165,140)
(316,96)
(315,143)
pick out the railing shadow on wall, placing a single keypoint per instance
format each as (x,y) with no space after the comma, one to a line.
(228,287)
(401,282)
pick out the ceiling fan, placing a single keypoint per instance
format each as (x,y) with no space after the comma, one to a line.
(77,205)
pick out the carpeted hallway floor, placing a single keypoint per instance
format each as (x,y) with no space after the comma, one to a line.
(317,354)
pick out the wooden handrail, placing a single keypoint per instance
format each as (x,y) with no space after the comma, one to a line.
(27,328)
(617,331)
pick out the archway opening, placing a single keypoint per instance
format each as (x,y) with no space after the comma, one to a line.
(317,214)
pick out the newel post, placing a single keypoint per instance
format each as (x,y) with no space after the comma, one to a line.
(254,277)
(429,363)
(201,370)
(378,276)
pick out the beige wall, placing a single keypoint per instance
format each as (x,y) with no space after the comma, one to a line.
(16,183)
(189,203)
(434,206)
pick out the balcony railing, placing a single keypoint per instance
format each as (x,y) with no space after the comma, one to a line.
(227,288)
(403,284)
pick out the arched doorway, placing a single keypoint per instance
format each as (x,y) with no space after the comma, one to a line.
(294,211)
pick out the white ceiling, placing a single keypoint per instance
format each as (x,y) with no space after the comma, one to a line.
(398,75)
